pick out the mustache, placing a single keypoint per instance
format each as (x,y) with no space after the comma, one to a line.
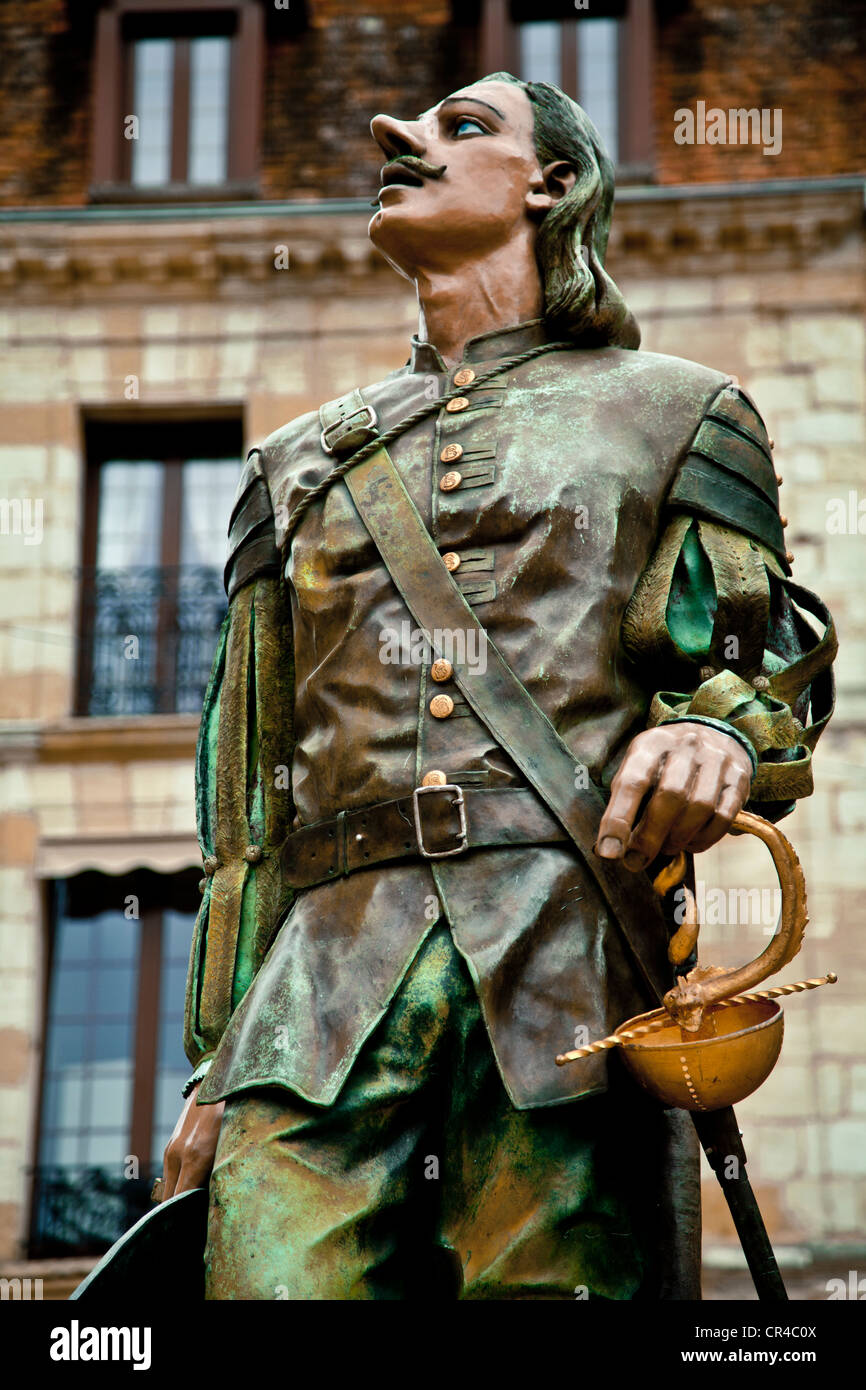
(415,164)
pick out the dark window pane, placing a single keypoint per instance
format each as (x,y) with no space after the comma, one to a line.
(153,69)
(208,494)
(116,937)
(167,1106)
(177,930)
(208,109)
(66,1044)
(173,989)
(72,941)
(63,1100)
(70,992)
(110,1042)
(114,990)
(110,1097)
(106,1150)
(598,67)
(130,506)
(63,1149)
(540,45)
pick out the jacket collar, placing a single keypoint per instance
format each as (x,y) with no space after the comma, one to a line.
(486,347)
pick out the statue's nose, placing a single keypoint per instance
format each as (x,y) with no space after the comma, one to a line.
(395,137)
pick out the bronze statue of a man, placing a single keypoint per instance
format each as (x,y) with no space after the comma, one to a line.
(377,990)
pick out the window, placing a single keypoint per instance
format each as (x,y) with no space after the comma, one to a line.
(176,92)
(179,94)
(582,57)
(601,56)
(159,497)
(114,1063)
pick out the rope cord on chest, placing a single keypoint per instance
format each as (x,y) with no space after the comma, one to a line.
(415,418)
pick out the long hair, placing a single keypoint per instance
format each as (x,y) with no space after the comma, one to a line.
(581,301)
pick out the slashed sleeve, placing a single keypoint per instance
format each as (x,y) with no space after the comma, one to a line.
(243,776)
(717,624)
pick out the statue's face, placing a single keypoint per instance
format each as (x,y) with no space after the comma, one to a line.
(483,136)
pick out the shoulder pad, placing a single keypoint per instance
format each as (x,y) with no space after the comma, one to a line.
(728,473)
(252,546)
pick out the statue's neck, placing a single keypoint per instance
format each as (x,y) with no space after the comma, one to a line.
(497,292)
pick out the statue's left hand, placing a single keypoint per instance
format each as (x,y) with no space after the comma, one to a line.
(190,1152)
(678,787)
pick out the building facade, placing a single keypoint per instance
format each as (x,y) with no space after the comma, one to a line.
(184,266)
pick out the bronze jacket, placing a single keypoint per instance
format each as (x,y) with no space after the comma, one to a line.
(591,499)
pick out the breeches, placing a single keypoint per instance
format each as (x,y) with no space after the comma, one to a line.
(423,1181)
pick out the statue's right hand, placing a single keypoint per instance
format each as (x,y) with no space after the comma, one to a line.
(189,1154)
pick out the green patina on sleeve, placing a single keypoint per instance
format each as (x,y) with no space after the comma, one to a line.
(690,614)
(205,766)
(712,609)
(245,961)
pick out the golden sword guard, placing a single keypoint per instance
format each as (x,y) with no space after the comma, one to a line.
(716,1039)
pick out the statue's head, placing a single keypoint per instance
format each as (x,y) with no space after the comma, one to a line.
(501,162)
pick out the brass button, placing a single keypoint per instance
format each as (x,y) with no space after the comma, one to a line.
(789,557)
(761,683)
(441,670)
(253,853)
(451,453)
(450,481)
(779,479)
(202,885)
(772,441)
(441,706)
(706,673)
(434,779)
(784,520)
(459,403)
(464,376)
(211,864)
(451,560)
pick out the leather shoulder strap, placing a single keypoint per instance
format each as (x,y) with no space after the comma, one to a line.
(498,697)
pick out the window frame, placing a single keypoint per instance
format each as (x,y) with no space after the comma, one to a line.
(141,1121)
(499,51)
(100,431)
(110,153)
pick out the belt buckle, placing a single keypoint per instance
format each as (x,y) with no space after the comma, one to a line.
(342,425)
(461,807)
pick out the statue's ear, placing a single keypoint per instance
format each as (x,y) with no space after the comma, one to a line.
(550,184)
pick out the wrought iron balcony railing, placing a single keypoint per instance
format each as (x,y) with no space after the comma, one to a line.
(148,637)
(80,1210)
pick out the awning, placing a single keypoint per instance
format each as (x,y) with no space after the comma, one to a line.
(61,857)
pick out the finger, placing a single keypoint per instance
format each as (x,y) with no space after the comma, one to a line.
(731,800)
(171,1163)
(634,779)
(666,804)
(701,806)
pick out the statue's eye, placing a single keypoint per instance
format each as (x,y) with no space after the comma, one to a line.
(464,123)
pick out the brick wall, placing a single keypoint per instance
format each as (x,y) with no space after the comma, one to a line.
(44,102)
(325,79)
(808,60)
(321,85)
(324,85)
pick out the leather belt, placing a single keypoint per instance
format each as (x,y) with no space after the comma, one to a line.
(431,823)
